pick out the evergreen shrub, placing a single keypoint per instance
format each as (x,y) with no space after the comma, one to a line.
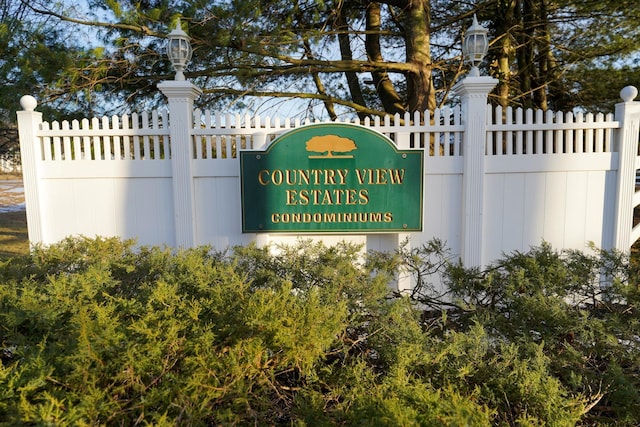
(102,332)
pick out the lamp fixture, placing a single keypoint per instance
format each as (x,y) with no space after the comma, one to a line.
(475,46)
(179,50)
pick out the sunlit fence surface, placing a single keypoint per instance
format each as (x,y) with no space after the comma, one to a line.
(564,178)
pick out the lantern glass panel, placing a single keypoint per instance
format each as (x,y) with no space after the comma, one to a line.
(476,46)
(179,51)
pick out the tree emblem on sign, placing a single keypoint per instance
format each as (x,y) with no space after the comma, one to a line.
(330,144)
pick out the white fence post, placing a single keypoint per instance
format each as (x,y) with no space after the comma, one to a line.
(181,94)
(473,92)
(628,114)
(29,122)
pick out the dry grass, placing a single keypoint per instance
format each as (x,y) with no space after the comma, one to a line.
(10,177)
(13,234)
(14,240)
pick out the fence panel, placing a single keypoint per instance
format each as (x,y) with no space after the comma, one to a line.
(546,176)
(106,176)
(548,133)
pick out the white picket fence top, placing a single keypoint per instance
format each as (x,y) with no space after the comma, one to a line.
(537,132)
(145,136)
(135,137)
(222,134)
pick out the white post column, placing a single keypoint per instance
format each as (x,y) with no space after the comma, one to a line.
(29,122)
(628,114)
(181,94)
(473,92)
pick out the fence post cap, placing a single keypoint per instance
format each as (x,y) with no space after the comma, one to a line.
(28,103)
(628,93)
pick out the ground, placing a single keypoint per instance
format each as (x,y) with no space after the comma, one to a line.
(13,220)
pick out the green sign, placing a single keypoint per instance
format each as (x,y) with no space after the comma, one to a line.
(331,177)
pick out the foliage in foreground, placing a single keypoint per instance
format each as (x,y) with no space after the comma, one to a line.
(99,332)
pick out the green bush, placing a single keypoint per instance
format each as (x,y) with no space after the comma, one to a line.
(101,332)
(561,333)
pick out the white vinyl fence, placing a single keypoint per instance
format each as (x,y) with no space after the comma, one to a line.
(494,181)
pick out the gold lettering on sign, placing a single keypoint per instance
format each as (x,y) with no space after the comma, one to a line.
(303,177)
(331,217)
(326,188)
(380,176)
(327,197)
